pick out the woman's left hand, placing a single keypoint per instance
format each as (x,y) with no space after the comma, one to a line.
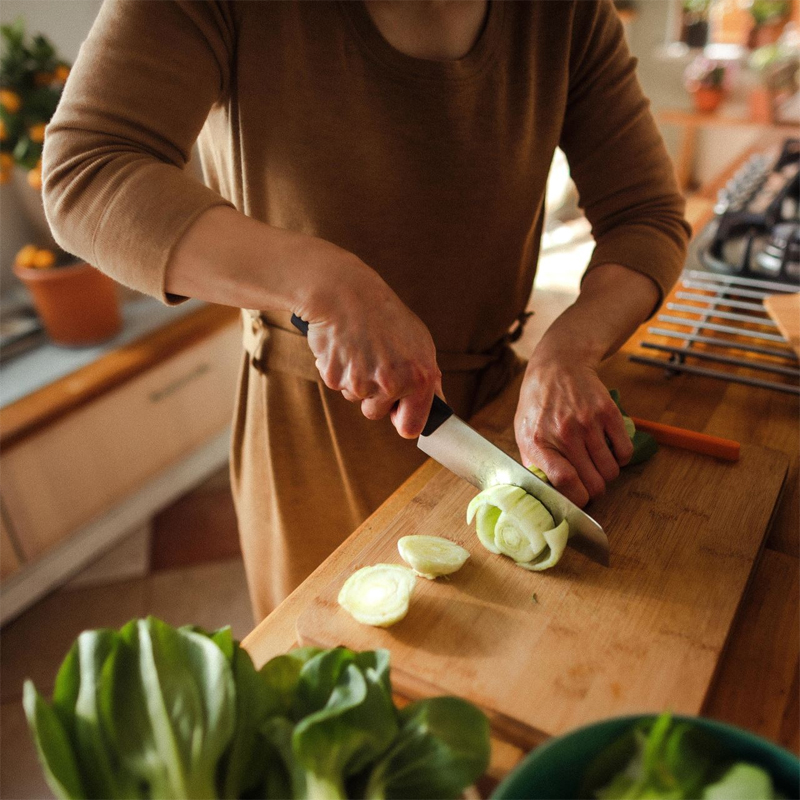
(568,425)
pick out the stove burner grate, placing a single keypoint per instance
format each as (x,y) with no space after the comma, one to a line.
(707,341)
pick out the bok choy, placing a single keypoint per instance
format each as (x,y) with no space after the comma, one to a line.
(151,711)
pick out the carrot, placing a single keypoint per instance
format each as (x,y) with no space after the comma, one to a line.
(689,440)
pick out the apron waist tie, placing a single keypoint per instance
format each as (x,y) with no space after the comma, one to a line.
(272,347)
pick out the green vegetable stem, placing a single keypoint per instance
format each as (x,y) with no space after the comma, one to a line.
(151,711)
(663,759)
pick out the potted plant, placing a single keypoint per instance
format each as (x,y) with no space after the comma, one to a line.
(77,304)
(769,17)
(694,22)
(705,81)
(773,71)
(32,78)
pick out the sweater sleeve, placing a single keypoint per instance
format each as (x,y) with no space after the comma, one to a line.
(115,191)
(617,158)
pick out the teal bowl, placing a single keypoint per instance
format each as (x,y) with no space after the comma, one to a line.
(554,770)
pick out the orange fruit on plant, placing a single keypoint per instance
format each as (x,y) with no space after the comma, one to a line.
(61,73)
(10,100)
(6,161)
(35,178)
(3,131)
(36,132)
(43,78)
(26,256)
(44,259)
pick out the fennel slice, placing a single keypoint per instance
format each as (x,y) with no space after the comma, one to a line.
(378,595)
(557,543)
(432,556)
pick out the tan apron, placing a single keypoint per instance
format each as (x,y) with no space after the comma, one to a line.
(307,467)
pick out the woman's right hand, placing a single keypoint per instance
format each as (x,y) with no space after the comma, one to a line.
(369,345)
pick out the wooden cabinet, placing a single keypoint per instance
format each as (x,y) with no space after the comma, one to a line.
(69,473)
(91,459)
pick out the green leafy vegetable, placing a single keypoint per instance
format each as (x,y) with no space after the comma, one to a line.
(644,445)
(665,759)
(151,711)
(443,744)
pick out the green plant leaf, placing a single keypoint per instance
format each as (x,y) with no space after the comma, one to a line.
(442,748)
(357,724)
(52,745)
(171,708)
(243,766)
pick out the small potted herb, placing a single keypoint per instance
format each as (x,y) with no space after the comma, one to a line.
(694,22)
(769,18)
(704,79)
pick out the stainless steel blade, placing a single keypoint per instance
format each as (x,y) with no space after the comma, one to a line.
(461,449)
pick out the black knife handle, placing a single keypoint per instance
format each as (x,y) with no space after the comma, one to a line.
(440,412)
(300,324)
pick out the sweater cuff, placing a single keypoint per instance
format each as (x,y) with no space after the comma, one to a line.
(645,250)
(135,247)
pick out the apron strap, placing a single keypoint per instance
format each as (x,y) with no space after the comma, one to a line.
(274,348)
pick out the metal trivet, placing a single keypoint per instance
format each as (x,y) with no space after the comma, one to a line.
(732,303)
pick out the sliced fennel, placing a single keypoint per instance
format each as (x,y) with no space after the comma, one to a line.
(432,556)
(511,522)
(378,595)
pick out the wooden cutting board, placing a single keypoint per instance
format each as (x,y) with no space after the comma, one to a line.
(644,634)
(785,310)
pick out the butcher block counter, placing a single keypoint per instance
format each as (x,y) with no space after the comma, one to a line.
(699,610)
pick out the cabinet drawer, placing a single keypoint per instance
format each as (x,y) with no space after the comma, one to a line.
(80,467)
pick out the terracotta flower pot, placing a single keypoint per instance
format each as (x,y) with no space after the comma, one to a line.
(706,100)
(77,304)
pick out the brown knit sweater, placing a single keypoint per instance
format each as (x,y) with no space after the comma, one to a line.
(432,172)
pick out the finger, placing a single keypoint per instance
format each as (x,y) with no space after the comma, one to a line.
(562,475)
(377,407)
(577,455)
(602,456)
(350,397)
(412,412)
(621,444)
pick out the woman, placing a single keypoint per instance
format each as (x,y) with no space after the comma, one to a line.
(377,168)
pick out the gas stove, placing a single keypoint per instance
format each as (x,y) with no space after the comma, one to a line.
(756,229)
(715,324)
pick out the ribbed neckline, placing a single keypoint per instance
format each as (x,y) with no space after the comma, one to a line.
(461,69)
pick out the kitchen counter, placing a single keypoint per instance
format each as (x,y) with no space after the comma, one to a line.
(756,683)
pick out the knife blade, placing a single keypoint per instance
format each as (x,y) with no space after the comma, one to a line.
(461,449)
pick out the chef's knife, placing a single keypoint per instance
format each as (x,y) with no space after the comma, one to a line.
(461,449)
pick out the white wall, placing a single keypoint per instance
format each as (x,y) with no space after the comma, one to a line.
(66,23)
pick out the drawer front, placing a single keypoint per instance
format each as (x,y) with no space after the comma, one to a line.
(9,561)
(81,466)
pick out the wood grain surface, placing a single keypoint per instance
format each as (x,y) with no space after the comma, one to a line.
(643,635)
(785,310)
